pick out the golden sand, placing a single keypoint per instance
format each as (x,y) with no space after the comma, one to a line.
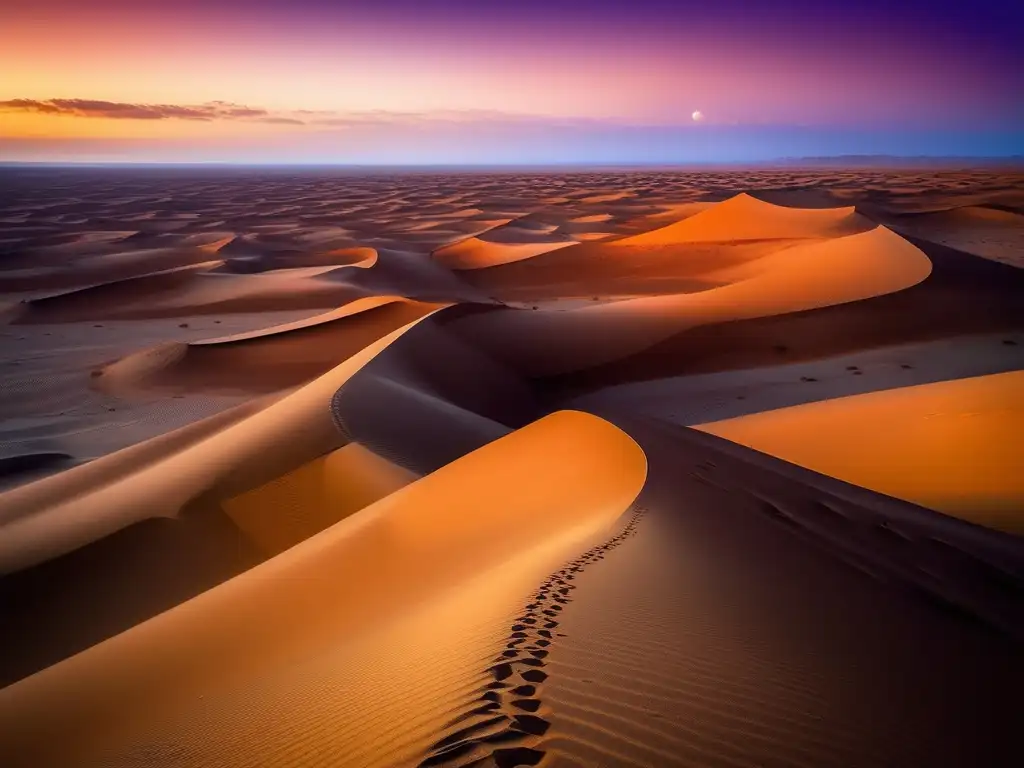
(953,446)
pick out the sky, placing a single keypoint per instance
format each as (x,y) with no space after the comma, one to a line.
(529,82)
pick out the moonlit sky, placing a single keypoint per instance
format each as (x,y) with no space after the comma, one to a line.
(531,81)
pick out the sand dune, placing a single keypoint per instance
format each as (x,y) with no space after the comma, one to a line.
(408,479)
(418,543)
(266,360)
(952,446)
(793,279)
(359,257)
(222,456)
(49,402)
(724,629)
(993,233)
(97,301)
(432,398)
(683,255)
(971,214)
(476,253)
(698,398)
(746,218)
(871,263)
(415,276)
(915,314)
(110,268)
(110,539)
(192,290)
(605,270)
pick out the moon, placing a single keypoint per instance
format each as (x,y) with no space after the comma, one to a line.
(697,116)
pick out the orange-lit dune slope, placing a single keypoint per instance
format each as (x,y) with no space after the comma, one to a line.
(952,446)
(480,531)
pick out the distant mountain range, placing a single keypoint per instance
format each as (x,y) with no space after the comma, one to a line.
(895,161)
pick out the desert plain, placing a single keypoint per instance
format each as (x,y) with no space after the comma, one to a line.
(312,467)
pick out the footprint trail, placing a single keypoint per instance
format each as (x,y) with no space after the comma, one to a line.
(503,721)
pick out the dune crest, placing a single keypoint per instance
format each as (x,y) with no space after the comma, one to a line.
(203,288)
(265,360)
(837,271)
(744,217)
(477,253)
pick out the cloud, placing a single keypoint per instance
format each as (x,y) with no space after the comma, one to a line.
(439,119)
(279,121)
(443,118)
(324,119)
(29,105)
(119,110)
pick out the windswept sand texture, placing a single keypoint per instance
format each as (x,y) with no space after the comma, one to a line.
(306,468)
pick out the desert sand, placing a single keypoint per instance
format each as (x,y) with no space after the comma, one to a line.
(562,469)
(948,446)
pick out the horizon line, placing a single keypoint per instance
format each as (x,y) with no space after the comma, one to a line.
(934,161)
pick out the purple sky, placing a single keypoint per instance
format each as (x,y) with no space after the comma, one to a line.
(411,81)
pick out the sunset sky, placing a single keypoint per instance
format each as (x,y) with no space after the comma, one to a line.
(531,81)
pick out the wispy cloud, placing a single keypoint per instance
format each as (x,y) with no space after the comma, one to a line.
(440,117)
(272,120)
(119,110)
(326,119)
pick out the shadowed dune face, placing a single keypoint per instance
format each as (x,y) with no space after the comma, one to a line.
(378,470)
(435,400)
(724,394)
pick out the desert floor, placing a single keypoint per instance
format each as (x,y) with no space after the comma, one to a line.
(658,468)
